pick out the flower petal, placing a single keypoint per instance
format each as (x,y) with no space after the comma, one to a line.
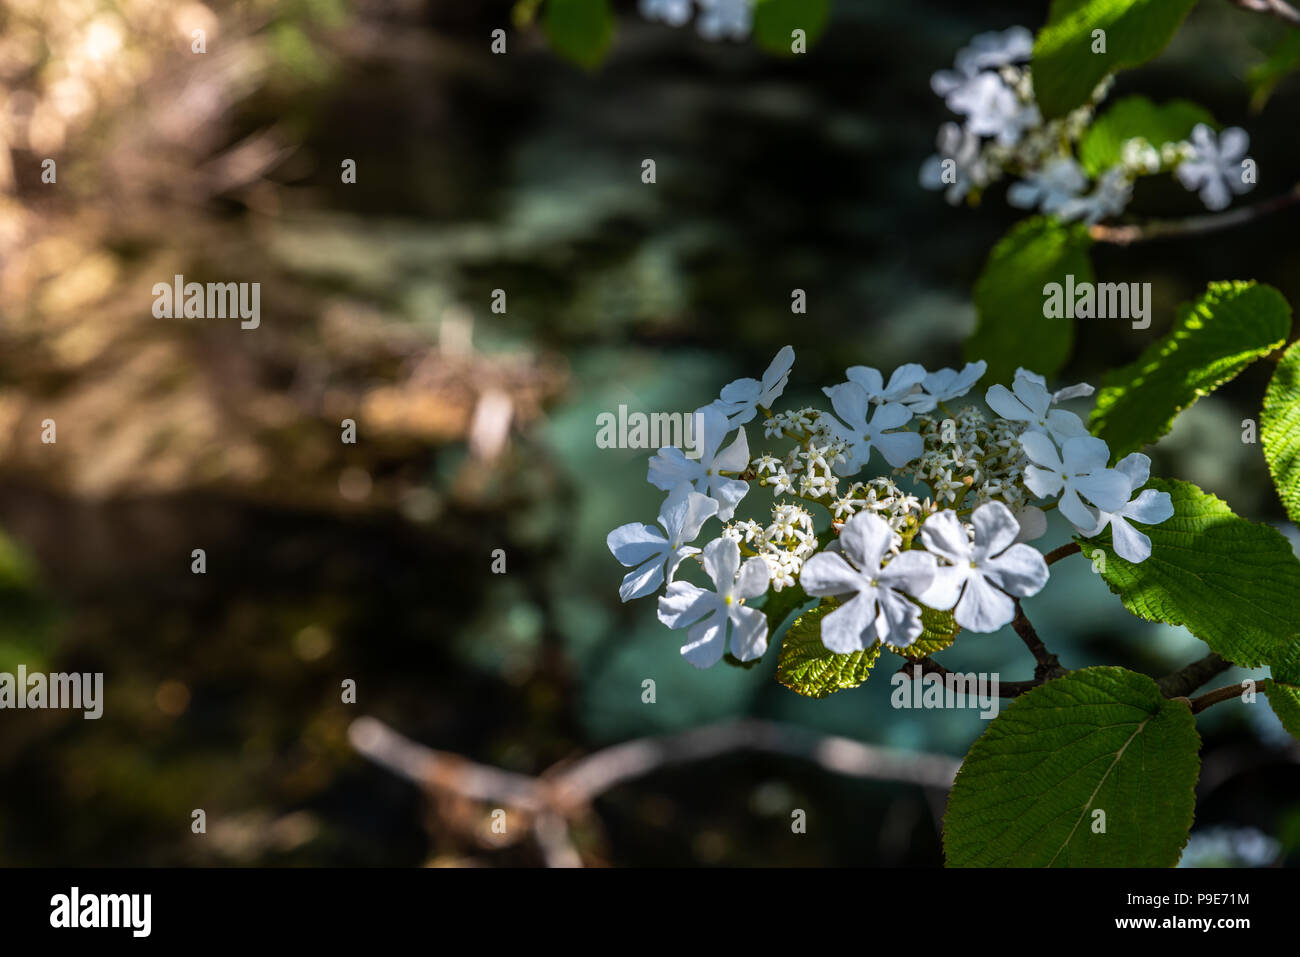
(721,561)
(944,535)
(684,603)
(995,529)
(983,608)
(865,538)
(1130,544)
(633,543)
(753,579)
(749,631)
(829,574)
(851,627)
(1021,571)
(1150,508)
(706,641)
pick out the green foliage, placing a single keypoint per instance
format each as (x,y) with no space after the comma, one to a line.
(777,606)
(1216,337)
(807,667)
(1284,690)
(1281,63)
(940,631)
(1232,583)
(581,31)
(1135,116)
(1066,70)
(1012,330)
(774,20)
(1100,739)
(1280,430)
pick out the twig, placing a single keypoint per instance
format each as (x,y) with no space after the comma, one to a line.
(1192,225)
(1064,551)
(1276,8)
(1048,666)
(928,666)
(562,792)
(1187,679)
(1227,693)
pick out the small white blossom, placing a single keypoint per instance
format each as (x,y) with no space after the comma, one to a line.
(1217,165)
(1149,508)
(719,618)
(741,399)
(1057,183)
(860,436)
(903,382)
(1109,197)
(1078,470)
(992,108)
(1028,401)
(985,51)
(655,554)
(968,168)
(944,385)
(672,12)
(725,19)
(670,466)
(879,608)
(984,572)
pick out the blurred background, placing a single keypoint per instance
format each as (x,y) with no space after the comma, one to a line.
(476,430)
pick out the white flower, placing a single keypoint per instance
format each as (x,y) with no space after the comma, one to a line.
(1109,198)
(902,382)
(1077,391)
(1050,188)
(655,554)
(1078,470)
(1149,508)
(670,466)
(672,12)
(982,573)
(1029,401)
(741,399)
(962,147)
(711,615)
(985,51)
(879,608)
(731,19)
(850,403)
(993,109)
(1216,165)
(1032,521)
(943,385)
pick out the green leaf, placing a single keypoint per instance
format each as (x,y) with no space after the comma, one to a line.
(807,667)
(581,31)
(1233,584)
(1284,690)
(940,631)
(775,21)
(1280,430)
(1065,68)
(1283,61)
(1012,330)
(1285,700)
(1136,116)
(1100,739)
(1213,339)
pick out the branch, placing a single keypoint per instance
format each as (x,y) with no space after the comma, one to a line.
(1275,8)
(1187,679)
(562,792)
(928,666)
(1048,666)
(1226,693)
(1064,551)
(1192,225)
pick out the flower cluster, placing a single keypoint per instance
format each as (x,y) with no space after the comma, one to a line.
(717,20)
(948,527)
(1003,133)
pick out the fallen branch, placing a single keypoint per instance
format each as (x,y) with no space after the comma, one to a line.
(558,795)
